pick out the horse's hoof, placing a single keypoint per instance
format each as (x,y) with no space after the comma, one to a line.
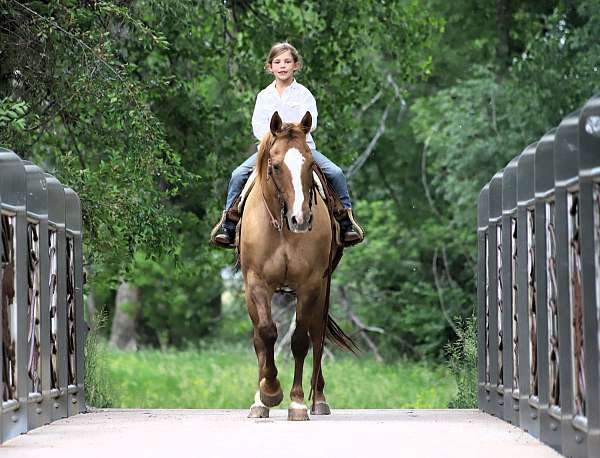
(320,408)
(258,412)
(298,415)
(270,399)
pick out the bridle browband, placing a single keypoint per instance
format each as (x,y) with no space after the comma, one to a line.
(278,224)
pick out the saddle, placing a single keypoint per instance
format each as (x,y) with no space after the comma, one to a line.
(322,186)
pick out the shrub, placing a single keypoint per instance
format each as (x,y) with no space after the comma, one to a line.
(462,361)
(97,383)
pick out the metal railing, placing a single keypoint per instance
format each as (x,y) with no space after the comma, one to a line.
(42,328)
(538,288)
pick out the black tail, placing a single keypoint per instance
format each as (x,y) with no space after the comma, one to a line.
(336,335)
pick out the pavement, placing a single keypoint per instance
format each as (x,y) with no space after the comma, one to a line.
(421,433)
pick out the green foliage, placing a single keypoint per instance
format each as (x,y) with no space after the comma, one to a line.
(226,378)
(497,84)
(462,361)
(180,303)
(388,291)
(12,114)
(89,122)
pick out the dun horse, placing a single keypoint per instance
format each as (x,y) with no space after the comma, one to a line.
(286,243)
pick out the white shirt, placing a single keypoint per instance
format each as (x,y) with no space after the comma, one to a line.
(292,105)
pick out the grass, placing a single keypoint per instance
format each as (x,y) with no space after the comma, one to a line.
(226,378)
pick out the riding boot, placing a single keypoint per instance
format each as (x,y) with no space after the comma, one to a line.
(223,234)
(351,232)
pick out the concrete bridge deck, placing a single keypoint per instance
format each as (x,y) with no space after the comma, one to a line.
(116,433)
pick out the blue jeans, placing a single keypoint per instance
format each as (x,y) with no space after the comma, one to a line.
(333,173)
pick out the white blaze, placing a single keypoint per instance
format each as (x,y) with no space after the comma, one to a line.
(294,159)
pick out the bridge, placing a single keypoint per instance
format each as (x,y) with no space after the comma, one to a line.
(228,433)
(538,299)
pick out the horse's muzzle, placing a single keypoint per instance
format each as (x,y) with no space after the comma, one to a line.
(300,227)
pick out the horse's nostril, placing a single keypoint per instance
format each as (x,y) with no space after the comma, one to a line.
(294,220)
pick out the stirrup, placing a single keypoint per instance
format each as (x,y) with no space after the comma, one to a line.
(217,238)
(355,234)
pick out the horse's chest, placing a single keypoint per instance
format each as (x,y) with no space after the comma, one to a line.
(285,267)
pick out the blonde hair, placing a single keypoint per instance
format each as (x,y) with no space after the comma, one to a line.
(280,48)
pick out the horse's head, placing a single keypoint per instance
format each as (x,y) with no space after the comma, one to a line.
(289,165)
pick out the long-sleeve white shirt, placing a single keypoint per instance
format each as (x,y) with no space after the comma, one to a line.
(292,105)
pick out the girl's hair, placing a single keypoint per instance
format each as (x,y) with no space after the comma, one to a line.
(279,48)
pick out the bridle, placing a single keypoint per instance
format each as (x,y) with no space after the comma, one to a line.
(278,224)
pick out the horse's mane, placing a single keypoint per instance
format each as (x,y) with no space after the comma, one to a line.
(293,132)
(263,154)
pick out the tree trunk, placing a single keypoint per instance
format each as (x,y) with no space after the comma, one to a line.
(123,333)
(504,44)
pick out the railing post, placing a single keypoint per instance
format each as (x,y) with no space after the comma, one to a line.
(483,396)
(509,254)
(75,318)
(589,183)
(2,381)
(526,307)
(544,216)
(40,407)
(13,188)
(566,183)
(496,386)
(58,292)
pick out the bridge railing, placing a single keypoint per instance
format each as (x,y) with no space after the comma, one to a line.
(42,327)
(539,288)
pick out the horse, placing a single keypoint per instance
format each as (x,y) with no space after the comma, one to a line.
(286,242)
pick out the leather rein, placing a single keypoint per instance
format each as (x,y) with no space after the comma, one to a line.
(278,224)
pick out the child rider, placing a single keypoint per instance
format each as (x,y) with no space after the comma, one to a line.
(291,100)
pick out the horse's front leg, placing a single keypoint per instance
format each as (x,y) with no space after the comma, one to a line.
(258,298)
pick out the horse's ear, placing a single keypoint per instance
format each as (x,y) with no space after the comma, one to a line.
(276,123)
(306,122)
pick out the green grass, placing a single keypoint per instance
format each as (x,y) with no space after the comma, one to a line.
(227,379)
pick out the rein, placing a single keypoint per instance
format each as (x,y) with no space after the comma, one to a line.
(278,224)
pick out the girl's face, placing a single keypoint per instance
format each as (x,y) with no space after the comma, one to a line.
(283,67)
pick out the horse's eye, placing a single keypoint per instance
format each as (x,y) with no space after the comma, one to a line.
(276,167)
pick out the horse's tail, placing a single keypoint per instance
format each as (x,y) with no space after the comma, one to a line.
(337,335)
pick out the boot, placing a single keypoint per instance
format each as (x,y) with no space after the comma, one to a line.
(223,234)
(351,232)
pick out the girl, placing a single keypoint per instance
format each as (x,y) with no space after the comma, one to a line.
(292,100)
